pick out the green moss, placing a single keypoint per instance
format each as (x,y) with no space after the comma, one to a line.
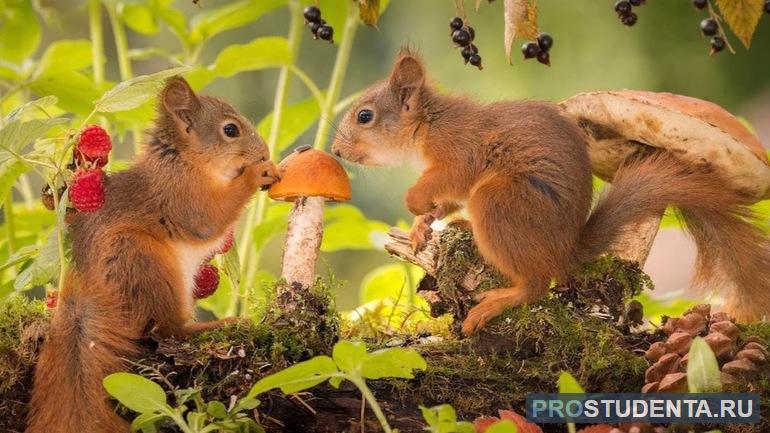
(757,329)
(23,323)
(310,326)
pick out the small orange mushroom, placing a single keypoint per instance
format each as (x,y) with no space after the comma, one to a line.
(310,178)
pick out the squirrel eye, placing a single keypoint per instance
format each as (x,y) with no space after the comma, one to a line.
(365,116)
(231,130)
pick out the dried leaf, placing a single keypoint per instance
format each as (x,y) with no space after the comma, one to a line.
(369,11)
(520,22)
(742,16)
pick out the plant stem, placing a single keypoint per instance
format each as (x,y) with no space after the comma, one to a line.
(9,224)
(121,43)
(257,211)
(338,76)
(97,40)
(367,394)
(60,215)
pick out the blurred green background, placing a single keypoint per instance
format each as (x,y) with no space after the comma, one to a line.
(593,51)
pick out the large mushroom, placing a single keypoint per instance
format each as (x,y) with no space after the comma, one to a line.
(310,178)
(619,124)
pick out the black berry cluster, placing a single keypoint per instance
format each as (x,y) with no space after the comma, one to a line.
(463,35)
(318,26)
(710,28)
(539,49)
(625,11)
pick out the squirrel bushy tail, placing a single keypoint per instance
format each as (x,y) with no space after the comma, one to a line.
(733,253)
(83,346)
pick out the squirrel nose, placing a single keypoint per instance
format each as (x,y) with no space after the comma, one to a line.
(336,152)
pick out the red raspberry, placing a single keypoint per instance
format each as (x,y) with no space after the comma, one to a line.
(52,299)
(87,190)
(206,281)
(227,243)
(94,146)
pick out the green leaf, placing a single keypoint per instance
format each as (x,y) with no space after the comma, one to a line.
(44,269)
(232,266)
(213,21)
(703,373)
(443,419)
(10,170)
(21,255)
(569,385)
(347,228)
(135,392)
(296,120)
(36,106)
(65,55)
(393,362)
(139,18)
(246,403)
(742,16)
(134,92)
(388,282)
(19,31)
(258,54)
(172,17)
(298,377)
(147,422)
(350,356)
(76,92)
(504,426)
(217,409)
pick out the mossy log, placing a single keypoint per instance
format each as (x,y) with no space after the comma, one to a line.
(584,327)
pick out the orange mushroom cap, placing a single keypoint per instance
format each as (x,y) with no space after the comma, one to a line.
(308,172)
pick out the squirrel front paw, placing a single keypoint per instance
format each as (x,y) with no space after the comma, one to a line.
(421,232)
(268,173)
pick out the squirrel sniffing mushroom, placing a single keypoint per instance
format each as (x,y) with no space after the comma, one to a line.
(523,170)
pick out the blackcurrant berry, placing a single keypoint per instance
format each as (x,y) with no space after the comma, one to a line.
(630,19)
(545,41)
(469,51)
(475,60)
(767,6)
(456,23)
(709,27)
(700,4)
(326,33)
(471,32)
(637,2)
(530,50)
(717,44)
(314,26)
(312,14)
(544,58)
(461,37)
(623,7)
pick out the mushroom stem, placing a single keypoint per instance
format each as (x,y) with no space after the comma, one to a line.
(635,244)
(303,241)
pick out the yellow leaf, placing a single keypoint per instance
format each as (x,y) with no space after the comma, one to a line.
(369,11)
(520,22)
(742,16)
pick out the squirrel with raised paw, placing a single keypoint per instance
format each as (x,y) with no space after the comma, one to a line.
(135,260)
(522,168)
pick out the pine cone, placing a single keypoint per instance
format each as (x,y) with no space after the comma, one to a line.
(669,358)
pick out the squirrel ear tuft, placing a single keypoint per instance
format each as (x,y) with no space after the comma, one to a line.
(179,100)
(407,79)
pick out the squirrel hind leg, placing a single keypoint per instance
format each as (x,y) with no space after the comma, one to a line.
(494,302)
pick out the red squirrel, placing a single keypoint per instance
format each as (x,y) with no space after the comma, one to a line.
(522,170)
(136,258)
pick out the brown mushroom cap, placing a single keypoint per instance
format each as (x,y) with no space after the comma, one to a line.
(619,122)
(309,172)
